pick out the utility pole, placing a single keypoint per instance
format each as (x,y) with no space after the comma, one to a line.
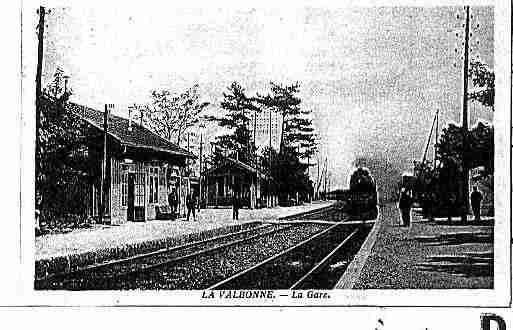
(308,174)
(254,130)
(270,161)
(200,169)
(270,128)
(464,117)
(188,149)
(324,174)
(103,199)
(318,178)
(41,31)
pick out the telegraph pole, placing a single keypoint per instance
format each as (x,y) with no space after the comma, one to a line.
(200,169)
(270,160)
(325,175)
(317,179)
(41,31)
(464,117)
(104,162)
(254,130)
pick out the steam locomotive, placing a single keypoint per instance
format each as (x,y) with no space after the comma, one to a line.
(361,200)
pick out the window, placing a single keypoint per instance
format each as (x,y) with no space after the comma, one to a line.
(139,188)
(153,179)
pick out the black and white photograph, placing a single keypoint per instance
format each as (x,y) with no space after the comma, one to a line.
(295,154)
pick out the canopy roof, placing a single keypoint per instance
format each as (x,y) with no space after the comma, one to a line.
(137,137)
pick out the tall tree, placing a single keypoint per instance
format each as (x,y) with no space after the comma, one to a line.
(238,109)
(289,174)
(170,115)
(450,147)
(297,142)
(484,78)
(62,176)
(55,87)
(300,135)
(297,132)
(284,100)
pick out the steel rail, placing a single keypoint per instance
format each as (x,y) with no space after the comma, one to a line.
(276,256)
(171,249)
(323,262)
(311,212)
(96,267)
(194,254)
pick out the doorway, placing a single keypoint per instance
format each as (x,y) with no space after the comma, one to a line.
(131,197)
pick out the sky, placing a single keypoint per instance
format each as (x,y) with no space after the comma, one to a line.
(373,77)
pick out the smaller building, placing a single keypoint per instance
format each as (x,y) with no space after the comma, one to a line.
(256,189)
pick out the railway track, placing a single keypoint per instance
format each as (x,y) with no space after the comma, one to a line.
(120,273)
(144,262)
(334,212)
(198,265)
(315,263)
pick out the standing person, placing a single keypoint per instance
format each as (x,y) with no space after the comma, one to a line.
(428,205)
(191,206)
(434,205)
(451,205)
(236,205)
(173,202)
(475,200)
(404,207)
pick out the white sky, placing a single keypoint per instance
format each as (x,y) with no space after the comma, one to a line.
(373,76)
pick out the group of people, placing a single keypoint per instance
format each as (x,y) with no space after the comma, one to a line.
(191,203)
(430,201)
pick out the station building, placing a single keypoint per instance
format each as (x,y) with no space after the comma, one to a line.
(141,168)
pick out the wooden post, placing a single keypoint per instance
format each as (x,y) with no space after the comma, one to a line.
(254,131)
(39,68)
(200,171)
(104,164)
(464,117)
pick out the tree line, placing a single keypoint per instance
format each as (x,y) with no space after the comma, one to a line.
(287,165)
(172,114)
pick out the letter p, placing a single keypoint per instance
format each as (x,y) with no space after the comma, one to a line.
(487,318)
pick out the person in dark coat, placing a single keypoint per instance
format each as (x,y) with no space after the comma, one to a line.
(451,206)
(475,201)
(405,206)
(428,205)
(172,199)
(191,206)
(235,205)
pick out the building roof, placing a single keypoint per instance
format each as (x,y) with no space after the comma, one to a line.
(237,163)
(138,136)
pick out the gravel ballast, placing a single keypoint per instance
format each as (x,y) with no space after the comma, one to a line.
(205,270)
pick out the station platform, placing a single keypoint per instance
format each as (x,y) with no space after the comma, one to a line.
(427,255)
(102,242)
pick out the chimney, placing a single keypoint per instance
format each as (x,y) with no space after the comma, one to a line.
(129,118)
